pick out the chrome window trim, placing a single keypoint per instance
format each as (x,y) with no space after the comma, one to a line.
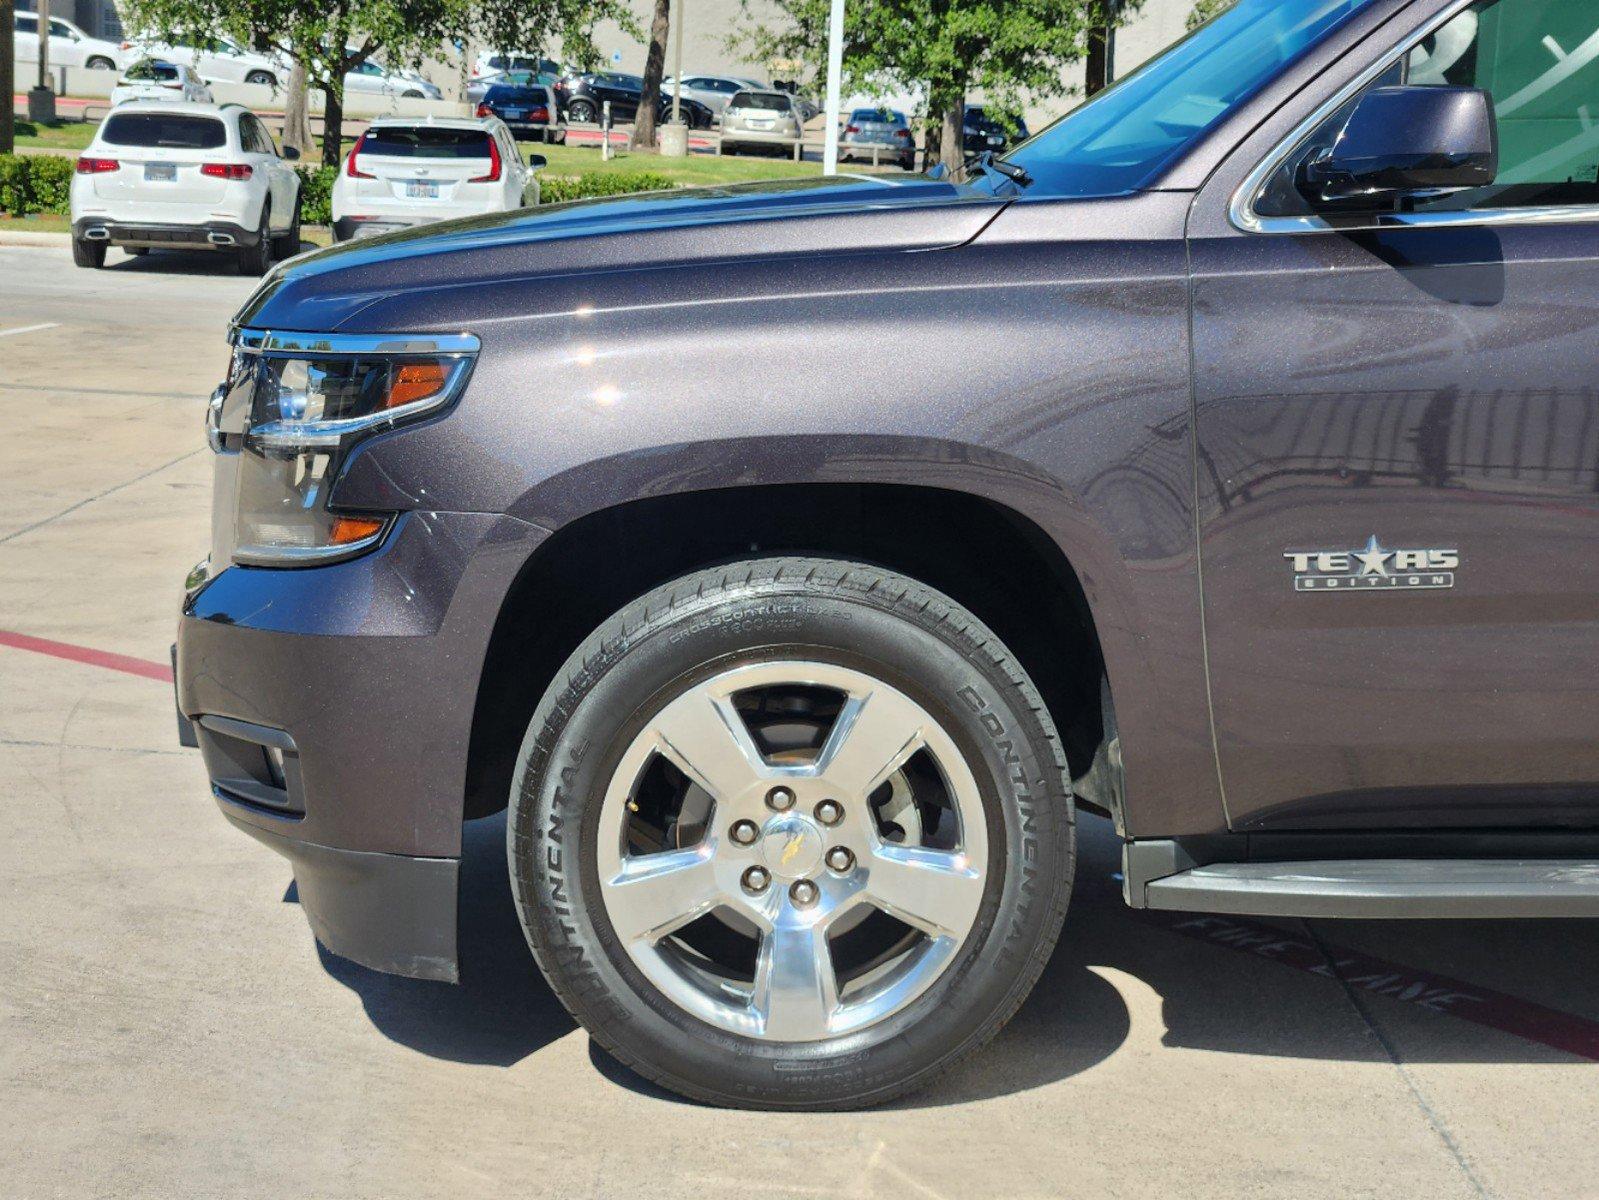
(1241,211)
(283,344)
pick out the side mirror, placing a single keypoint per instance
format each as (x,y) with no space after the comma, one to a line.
(537,161)
(938,172)
(1404,140)
(292,153)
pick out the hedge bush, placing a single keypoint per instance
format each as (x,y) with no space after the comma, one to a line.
(556,189)
(34,183)
(316,194)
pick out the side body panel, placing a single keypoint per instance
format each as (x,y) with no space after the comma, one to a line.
(1433,389)
(1043,366)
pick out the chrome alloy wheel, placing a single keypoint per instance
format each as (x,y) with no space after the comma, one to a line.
(792,850)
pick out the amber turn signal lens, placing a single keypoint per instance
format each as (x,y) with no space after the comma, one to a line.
(415,381)
(354,529)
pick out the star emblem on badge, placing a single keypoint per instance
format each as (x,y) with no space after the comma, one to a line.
(1374,558)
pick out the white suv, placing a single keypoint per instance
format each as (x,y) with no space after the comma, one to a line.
(187,176)
(404,171)
(69,45)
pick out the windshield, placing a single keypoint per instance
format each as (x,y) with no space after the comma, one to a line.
(1126,135)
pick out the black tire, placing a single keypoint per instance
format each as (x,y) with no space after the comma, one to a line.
(583,112)
(413,94)
(289,244)
(262,79)
(136,251)
(100,63)
(855,616)
(88,254)
(257,259)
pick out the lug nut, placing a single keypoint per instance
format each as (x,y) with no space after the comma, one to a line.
(756,879)
(780,799)
(840,859)
(803,892)
(745,832)
(829,812)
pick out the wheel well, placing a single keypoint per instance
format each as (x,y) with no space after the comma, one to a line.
(989,558)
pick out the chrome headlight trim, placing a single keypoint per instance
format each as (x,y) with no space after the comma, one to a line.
(291,344)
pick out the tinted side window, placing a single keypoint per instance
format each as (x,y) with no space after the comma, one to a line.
(27,24)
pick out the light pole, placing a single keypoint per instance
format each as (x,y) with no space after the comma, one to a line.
(677,61)
(42,97)
(835,70)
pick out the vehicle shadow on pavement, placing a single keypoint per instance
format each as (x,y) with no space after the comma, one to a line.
(1190,989)
(178,262)
(502,1010)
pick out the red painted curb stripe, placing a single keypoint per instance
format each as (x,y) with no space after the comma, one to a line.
(1577,1036)
(85,654)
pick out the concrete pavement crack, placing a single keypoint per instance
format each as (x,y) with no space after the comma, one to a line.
(1434,1120)
(113,489)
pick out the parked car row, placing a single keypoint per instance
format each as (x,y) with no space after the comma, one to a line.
(188,174)
(215,59)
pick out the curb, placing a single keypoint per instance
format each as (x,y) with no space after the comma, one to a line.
(28,237)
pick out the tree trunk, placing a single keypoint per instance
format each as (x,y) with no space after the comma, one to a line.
(1096,68)
(333,123)
(952,136)
(8,61)
(654,68)
(297,110)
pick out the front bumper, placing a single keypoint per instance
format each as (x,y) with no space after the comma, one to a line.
(334,708)
(390,912)
(208,235)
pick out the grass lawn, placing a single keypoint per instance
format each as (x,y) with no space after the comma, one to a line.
(63,135)
(696,168)
(43,223)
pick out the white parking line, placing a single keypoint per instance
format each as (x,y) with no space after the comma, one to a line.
(29,328)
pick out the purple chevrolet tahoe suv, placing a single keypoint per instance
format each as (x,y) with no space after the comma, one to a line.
(1225,460)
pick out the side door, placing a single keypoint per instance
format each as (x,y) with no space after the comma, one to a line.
(25,39)
(65,47)
(1397,422)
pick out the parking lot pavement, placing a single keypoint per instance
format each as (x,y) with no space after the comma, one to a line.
(171,1029)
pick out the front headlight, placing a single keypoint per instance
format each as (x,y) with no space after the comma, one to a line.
(293,407)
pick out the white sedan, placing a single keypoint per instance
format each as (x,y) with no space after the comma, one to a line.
(403,171)
(157,79)
(69,45)
(217,59)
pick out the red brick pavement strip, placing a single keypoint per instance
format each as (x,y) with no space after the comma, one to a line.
(128,665)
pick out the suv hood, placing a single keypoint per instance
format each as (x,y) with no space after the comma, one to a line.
(834,215)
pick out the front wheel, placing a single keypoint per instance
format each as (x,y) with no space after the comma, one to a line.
(100,63)
(582,112)
(262,79)
(792,833)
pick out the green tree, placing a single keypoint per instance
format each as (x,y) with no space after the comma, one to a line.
(1204,10)
(941,49)
(333,37)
